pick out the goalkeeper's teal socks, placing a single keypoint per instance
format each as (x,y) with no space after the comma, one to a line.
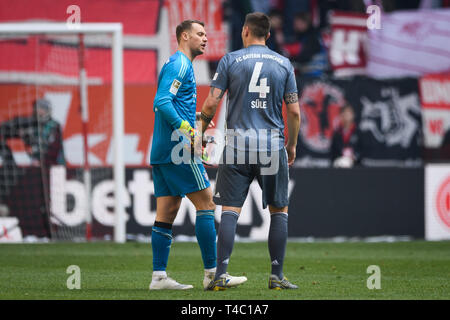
(161,241)
(206,237)
(225,241)
(205,231)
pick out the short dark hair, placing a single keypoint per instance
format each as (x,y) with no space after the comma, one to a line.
(258,24)
(185,26)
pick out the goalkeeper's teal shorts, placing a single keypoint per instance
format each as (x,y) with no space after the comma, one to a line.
(179,179)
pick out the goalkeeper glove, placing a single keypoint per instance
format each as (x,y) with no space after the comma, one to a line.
(188,131)
(193,134)
(205,156)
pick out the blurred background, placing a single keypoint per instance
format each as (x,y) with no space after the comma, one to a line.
(373,158)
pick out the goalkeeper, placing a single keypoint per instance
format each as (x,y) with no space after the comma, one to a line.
(176,176)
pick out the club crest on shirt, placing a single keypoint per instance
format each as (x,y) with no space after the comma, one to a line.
(175,86)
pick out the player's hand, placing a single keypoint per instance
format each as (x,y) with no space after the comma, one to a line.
(291,154)
(205,156)
(188,131)
(193,135)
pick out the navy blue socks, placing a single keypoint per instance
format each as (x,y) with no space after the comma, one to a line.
(278,233)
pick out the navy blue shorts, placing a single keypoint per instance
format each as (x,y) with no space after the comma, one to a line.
(233,180)
(179,179)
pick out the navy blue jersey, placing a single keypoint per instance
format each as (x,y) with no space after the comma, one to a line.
(257,79)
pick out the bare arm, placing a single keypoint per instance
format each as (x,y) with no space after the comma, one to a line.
(210,106)
(293,123)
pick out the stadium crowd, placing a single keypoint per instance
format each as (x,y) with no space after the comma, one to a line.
(302,31)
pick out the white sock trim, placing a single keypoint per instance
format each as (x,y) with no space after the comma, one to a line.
(211,270)
(274,213)
(159,274)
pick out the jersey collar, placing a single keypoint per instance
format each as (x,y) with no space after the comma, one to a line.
(184,56)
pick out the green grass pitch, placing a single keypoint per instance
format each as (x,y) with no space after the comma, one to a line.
(323,270)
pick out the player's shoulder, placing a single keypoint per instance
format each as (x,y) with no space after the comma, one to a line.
(282,60)
(261,51)
(236,53)
(231,56)
(177,62)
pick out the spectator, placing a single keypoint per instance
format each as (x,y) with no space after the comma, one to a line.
(312,60)
(236,11)
(40,133)
(276,39)
(345,143)
(43,139)
(290,9)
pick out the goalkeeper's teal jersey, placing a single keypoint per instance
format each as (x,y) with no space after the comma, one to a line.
(175,100)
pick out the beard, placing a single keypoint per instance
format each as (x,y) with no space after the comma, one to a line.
(196,52)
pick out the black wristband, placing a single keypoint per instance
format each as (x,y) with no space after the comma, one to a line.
(205,117)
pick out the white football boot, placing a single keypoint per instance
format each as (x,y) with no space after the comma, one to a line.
(230,281)
(164,282)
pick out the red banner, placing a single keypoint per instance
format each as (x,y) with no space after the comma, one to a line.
(140,25)
(208,11)
(435,97)
(347,54)
(137,16)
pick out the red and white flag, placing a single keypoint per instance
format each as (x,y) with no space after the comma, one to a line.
(435,96)
(347,54)
(410,43)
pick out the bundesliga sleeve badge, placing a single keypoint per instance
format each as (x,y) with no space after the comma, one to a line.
(175,86)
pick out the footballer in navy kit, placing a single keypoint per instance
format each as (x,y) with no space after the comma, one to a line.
(174,177)
(257,80)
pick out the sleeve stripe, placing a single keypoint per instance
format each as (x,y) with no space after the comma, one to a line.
(183,68)
(187,66)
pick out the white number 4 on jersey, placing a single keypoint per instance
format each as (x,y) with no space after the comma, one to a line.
(263,88)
